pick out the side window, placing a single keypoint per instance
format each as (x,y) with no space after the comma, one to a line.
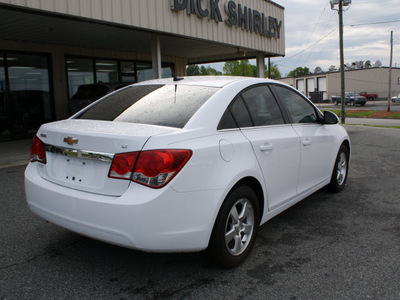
(299,108)
(262,106)
(240,113)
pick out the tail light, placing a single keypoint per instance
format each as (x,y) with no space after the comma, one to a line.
(37,151)
(122,165)
(154,168)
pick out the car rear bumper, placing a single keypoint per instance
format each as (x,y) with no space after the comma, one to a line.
(156,220)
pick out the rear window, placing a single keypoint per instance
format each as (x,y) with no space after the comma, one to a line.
(164,105)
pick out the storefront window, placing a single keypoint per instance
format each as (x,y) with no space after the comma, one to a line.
(144,71)
(106,71)
(128,73)
(80,72)
(25,103)
(83,72)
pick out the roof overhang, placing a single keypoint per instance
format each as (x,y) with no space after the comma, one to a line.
(39,26)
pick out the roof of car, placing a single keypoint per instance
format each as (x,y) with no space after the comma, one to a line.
(214,81)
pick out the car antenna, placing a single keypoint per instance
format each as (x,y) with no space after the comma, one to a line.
(172,67)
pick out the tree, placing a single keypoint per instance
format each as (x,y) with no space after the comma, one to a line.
(332,68)
(195,70)
(209,71)
(299,71)
(275,73)
(239,68)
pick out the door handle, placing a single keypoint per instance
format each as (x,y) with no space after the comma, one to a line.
(266,147)
(306,142)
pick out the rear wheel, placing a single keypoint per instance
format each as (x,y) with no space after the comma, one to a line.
(340,171)
(235,228)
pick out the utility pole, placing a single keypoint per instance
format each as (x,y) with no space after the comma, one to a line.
(342,80)
(390,70)
(341,3)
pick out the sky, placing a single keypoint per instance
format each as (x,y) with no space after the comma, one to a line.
(312,34)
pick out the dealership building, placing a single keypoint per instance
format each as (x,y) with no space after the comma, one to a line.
(373,80)
(49,48)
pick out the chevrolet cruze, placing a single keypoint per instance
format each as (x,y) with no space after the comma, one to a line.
(185,164)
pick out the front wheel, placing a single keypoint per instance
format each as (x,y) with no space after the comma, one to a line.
(340,171)
(236,227)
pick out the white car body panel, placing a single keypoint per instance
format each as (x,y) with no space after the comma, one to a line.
(278,151)
(317,154)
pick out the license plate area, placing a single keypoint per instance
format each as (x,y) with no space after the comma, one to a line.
(81,170)
(75,170)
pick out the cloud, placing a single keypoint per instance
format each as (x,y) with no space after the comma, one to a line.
(312,34)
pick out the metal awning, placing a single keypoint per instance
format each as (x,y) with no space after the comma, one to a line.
(29,25)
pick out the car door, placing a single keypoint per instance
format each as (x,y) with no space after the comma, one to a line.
(275,144)
(316,141)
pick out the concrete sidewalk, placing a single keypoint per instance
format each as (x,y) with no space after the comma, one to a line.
(369,121)
(16,153)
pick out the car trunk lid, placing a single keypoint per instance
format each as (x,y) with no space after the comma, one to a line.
(79,152)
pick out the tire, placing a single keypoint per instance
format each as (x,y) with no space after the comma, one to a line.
(340,170)
(371,98)
(362,104)
(236,227)
(336,102)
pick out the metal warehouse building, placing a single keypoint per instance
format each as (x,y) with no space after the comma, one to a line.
(372,80)
(49,48)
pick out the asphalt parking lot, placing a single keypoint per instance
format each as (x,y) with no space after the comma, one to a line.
(329,246)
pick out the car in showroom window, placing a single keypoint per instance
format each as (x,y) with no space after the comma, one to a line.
(181,166)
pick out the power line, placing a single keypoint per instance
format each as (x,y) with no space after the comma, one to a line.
(375,23)
(317,23)
(329,33)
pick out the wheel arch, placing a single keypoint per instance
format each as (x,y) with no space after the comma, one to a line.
(347,144)
(254,184)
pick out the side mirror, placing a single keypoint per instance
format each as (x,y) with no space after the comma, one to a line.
(330,117)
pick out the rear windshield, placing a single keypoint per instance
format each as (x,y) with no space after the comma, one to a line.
(164,105)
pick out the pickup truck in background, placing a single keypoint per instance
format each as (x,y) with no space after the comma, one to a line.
(351,98)
(369,96)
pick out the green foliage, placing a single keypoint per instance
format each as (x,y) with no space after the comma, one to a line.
(195,70)
(299,71)
(275,73)
(332,68)
(239,68)
(364,113)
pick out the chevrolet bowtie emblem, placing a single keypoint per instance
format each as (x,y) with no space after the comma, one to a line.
(70,140)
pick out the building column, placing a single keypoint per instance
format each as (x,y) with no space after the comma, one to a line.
(180,67)
(156,56)
(60,83)
(260,65)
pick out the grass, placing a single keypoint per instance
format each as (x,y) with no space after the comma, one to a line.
(381,126)
(368,113)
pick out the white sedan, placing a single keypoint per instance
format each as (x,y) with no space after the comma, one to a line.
(184,165)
